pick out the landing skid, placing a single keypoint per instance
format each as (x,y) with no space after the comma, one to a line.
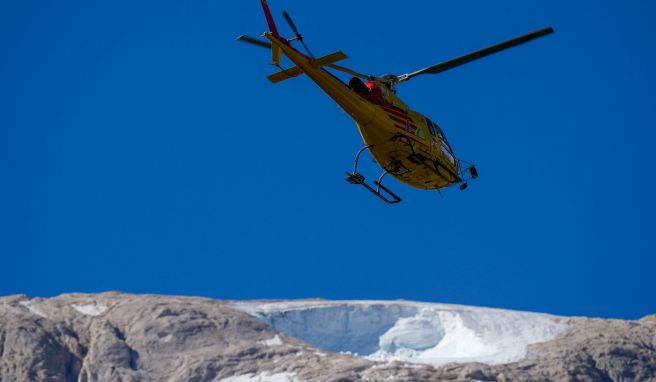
(380,191)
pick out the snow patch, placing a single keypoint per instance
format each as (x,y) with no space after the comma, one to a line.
(28,304)
(412,332)
(167,338)
(90,309)
(275,341)
(263,377)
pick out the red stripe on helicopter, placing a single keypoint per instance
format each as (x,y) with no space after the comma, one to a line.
(400,120)
(395,109)
(408,123)
(395,112)
(409,128)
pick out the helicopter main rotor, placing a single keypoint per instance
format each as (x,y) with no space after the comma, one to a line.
(391,80)
(464,59)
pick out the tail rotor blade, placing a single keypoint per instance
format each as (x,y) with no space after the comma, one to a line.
(306,48)
(291,24)
(299,37)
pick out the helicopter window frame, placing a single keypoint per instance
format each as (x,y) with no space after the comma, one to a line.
(439,131)
(445,146)
(441,135)
(446,150)
(429,123)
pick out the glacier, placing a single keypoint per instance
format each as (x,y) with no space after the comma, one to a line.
(414,332)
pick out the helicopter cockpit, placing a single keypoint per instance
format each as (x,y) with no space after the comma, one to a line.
(369,90)
(377,92)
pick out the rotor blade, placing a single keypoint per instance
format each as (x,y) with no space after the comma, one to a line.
(306,47)
(349,71)
(254,41)
(299,37)
(291,23)
(450,64)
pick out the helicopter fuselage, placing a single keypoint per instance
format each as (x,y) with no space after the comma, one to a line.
(407,144)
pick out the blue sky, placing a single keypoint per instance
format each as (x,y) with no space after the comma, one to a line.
(142,149)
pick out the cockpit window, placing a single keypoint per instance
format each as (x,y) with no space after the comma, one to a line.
(435,129)
(440,133)
(429,123)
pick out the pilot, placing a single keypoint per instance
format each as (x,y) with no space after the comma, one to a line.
(357,86)
(375,94)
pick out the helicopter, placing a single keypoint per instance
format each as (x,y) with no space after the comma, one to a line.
(406,144)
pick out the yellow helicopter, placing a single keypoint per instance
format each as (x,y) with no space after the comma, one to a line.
(406,144)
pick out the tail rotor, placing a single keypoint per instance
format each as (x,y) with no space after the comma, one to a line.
(298,36)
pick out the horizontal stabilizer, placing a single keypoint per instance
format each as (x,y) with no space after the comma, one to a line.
(329,59)
(326,60)
(285,74)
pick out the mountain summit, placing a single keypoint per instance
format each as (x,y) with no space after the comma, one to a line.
(120,337)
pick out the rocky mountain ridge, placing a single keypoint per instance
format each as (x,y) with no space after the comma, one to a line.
(122,337)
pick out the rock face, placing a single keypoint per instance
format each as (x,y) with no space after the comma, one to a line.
(120,337)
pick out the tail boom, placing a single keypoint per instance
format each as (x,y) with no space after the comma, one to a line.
(348,100)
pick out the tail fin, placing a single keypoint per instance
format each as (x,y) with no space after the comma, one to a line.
(269,18)
(276,54)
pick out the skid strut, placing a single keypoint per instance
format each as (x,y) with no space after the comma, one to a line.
(380,191)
